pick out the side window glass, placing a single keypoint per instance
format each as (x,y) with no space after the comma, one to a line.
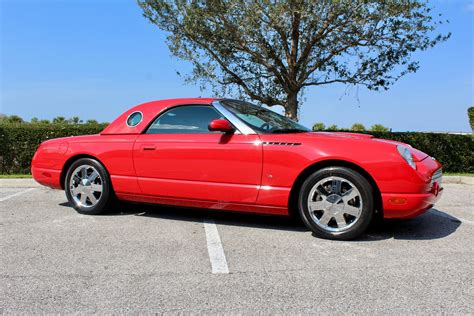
(188,119)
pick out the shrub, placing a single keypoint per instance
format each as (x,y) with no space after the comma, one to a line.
(358,127)
(470,113)
(379,128)
(319,127)
(18,142)
(454,152)
(12,119)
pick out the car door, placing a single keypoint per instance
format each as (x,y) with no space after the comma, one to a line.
(178,157)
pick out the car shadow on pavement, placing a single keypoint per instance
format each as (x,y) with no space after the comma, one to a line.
(199,215)
(434,224)
(220,217)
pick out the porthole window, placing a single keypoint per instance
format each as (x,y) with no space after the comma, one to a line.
(134,119)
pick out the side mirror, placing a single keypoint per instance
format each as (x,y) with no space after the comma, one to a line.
(221,125)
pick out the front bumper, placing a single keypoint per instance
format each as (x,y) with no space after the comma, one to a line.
(409,205)
(396,205)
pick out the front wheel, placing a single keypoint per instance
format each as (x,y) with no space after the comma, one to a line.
(87,186)
(336,203)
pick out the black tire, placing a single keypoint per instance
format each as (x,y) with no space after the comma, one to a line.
(366,208)
(104,199)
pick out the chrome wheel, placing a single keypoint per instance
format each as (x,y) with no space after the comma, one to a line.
(86,186)
(335,204)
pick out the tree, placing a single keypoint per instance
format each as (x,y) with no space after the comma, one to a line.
(332,127)
(379,128)
(59,120)
(92,122)
(272,50)
(74,120)
(358,127)
(470,113)
(34,120)
(11,119)
(319,127)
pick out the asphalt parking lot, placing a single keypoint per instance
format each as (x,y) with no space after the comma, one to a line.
(147,259)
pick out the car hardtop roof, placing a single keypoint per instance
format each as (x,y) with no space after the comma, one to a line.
(148,110)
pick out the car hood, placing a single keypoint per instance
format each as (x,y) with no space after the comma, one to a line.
(347,136)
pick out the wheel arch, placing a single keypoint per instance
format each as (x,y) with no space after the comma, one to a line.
(71,160)
(293,199)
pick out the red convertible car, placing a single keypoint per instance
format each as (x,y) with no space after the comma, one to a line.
(232,155)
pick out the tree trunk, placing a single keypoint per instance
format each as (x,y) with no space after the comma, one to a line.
(291,107)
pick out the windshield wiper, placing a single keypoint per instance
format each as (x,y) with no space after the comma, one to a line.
(288,130)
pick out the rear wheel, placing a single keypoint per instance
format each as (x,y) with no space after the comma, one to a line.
(87,186)
(336,203)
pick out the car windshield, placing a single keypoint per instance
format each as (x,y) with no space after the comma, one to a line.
(263,120)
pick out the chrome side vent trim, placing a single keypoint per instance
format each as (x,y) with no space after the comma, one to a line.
(280,144)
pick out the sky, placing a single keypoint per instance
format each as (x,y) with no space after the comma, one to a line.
(97,58)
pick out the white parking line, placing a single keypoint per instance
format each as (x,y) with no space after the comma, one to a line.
(16,194)
(214,247)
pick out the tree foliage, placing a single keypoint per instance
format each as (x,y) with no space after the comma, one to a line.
(358,127)
(11,119)
(272,50)
(92,122)
(319,126)
(379,128)
(61,120)
(470,114)
(75,120)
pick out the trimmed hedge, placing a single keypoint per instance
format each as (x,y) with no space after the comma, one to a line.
(454,152)
(19,143)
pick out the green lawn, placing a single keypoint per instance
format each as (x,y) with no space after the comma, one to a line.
(15,176)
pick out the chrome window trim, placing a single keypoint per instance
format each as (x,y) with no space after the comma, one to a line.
(241,126)
(134,112)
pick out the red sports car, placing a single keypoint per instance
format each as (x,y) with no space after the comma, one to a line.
(231,155)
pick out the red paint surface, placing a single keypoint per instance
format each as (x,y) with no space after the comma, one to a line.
(233,171)
(221,125)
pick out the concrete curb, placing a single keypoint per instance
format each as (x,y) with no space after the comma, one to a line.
(18,183)
(458,180)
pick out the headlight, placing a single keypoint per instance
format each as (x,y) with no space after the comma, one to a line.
(406,154)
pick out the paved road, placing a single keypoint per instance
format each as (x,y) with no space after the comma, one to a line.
(156,259)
